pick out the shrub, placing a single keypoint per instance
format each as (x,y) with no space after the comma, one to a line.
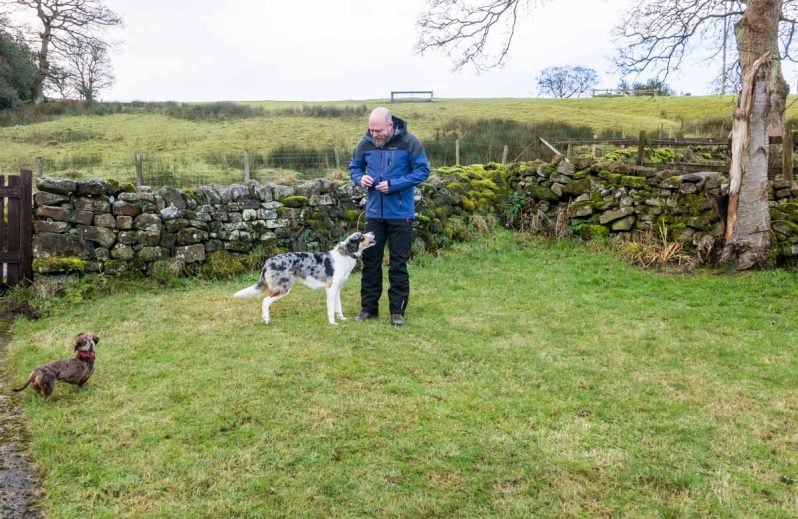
(650,249)
(483,140)
(325,111)
(221,265)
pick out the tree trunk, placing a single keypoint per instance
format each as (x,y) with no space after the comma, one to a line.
(43,69)
(747,240)
(44,65)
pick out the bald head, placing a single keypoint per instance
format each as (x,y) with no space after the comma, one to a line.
(380,115)
(380,126)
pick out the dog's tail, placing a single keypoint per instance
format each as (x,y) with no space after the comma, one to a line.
(17,390)
(249,292)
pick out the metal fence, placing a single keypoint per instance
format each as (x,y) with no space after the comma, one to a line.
(293,164)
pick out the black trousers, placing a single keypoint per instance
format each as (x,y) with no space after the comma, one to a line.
(398,234)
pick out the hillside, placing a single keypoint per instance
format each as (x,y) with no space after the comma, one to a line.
(103,146)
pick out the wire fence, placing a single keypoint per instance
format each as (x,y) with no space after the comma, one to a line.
(291,164)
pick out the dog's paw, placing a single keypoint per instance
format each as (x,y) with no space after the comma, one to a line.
(341,318)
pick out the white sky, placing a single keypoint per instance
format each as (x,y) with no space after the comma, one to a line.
(321,50)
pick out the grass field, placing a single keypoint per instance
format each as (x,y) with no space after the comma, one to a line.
(104,146)
(534,379)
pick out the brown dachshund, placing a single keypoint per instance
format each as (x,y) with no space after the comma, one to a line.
(76,370)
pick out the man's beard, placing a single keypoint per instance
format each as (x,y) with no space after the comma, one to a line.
(380,141)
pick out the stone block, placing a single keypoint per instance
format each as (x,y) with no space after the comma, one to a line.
(276,224)
(105,220)
(150,253)
(102,236)
(149,238)
(190,235)
(122,251)
(322,199)
(611,216)
(45,198)
(92,187)
(124,222)
(92,205)
(48,244)
(147,222)
(123,208)
(84,217)
(56,185)
(190,253)
(58,214)
(42,226)
(172,197)
(175,225)
(128,237)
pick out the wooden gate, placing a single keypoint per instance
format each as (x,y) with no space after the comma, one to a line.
(16,228)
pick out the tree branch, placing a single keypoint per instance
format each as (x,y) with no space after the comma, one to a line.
(465,29)
(658,34)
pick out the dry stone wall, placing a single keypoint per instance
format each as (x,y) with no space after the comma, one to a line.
(100,226)
(114,228)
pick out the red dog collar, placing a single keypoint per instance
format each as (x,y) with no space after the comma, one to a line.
(86,355)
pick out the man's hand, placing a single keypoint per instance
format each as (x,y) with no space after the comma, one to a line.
(368,181)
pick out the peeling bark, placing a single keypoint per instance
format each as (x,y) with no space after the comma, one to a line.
(747,240)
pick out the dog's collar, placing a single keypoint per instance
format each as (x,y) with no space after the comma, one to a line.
(86,355)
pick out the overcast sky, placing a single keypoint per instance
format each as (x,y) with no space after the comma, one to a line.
(321,50)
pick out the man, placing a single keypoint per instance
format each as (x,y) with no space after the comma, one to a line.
(389,162)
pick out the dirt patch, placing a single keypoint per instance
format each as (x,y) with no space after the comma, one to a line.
(19,483)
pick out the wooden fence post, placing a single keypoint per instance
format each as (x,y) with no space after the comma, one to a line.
(39,167)
(457,152)
(26,235)
(504,154)
(139,170)
(786,155)
(641,147)
(246,166)
(337,159)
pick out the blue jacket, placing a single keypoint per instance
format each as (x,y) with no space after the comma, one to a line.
(402,162)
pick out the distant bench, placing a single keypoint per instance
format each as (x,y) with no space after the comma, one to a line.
(411,95)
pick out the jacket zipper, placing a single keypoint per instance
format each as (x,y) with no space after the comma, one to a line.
(382,173)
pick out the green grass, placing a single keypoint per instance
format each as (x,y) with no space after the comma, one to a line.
(533,379)
(182,146)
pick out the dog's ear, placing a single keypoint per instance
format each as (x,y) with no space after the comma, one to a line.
(95,339)
(353,242)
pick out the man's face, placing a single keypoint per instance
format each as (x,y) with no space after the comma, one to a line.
(380,131)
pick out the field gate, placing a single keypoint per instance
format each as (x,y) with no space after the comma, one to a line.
(16,228)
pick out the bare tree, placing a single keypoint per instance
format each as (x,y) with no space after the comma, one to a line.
(760,112)
(62,23)
(61,80)
(464,27)
(658,34)
(569,81)
(85,69)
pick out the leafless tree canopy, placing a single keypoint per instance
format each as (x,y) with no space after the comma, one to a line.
(84,70)
(657,35)
(565,82)
(64,26)
(465,29)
